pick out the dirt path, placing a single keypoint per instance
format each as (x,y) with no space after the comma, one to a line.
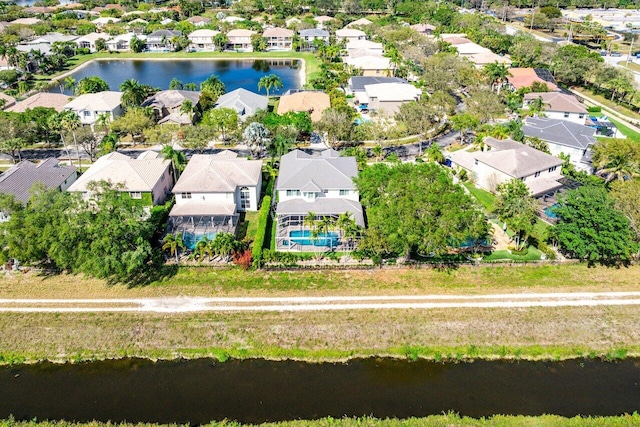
(201,304)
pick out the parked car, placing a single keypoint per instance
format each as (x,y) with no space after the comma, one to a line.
(616,54)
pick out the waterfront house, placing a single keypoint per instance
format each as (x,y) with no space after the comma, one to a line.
(504,160)
(167,105)
(278,38)
(88,41)
(240,40)
(244,102)
(310,35)
(312,102)
(147,178)
(321,184)
(559,106)
(202,40)
(572,139)
(90,106)
(211,192)
(162,40)
(51,38)
(122,42)
(20,178)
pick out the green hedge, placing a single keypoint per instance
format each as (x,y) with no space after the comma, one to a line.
(258,243)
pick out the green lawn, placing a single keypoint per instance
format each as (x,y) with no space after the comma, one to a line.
(532,254)
(485,198)
(251,218)
(626,131)
(608,103)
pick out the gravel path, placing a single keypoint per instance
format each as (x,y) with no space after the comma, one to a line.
(201,304)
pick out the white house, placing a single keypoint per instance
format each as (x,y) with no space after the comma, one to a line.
(90,106)
(199,21)
(148,178)
(574,140)
(240,40)
(162,40)
(202,40)
(310,35)
(366,46)
(122,42)
(211,191)
(505,160)
(559,106)
(388,97)
(350,34)
(88,41)
(278,38)
(370,65)
(102,21)
(320,184)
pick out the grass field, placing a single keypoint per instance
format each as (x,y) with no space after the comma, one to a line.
(608,103)
(448,420)
(626,131)
(551,333)
(485,198)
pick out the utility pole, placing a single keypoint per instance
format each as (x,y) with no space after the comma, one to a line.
(630,49)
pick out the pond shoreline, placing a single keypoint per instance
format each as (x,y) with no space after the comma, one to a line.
(302,73)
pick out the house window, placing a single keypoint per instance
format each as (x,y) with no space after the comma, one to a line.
(135,195)
(344,192)
(552,168)
(566,115)
(185,195)
(245,198)
(292,193)
(475,162)
(537,174)
(86,113)
(524,178)
(581,116)
(310,195)
(325,191)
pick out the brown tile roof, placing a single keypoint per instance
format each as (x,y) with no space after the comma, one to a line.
(57,101)
(313,102)
(525,77)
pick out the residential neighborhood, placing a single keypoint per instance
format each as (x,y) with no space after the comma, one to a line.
(319,213)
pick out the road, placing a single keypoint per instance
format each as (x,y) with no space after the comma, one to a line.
(331,303)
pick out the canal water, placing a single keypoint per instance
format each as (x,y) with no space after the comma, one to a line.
(234,73)
(202,390)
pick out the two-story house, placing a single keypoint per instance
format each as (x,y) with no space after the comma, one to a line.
(147,179)
(240,40)
(199,21)
(122,43)
(210,193)
(162,40)
(202,40)
(388,97)
(278,38)
(321,186)
(572,139)
(88,41)
(167,106)
(90,106)
(308,36)
(559,106)
(506,159)
(350,34)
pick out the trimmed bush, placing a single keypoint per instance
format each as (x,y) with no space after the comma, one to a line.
(263,220)
(594,109)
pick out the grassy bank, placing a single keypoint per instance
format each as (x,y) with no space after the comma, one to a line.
(537,332)
(449,420)
(312,63)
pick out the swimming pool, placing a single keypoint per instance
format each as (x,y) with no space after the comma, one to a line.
(548,211)
(190,239)
(303,237)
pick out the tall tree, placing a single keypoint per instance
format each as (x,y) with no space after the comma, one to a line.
(133,93)
(92,84)
(270,81)
(497,75)
(517,209)
(617,159)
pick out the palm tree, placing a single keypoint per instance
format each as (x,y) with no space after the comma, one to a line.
(270,81)
(174,243)
(69,122)
(378,152)
(187,108)
(347,225)
(326,224)
(202,248)
(69,83)
(177,158)
(133,93)
(537,106)
(175,84)
(613,162)
(497,74)
(224,245)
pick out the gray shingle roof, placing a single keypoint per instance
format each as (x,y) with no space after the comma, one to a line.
(171,98)
(245,102)
(314,32)
(218,173)
(328,171)
(357,83)
(560,132)
(19,179)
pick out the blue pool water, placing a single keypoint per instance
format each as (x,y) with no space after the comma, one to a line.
(303,237)
(190,239)
(548,211)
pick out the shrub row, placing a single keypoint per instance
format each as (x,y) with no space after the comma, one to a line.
(263,220)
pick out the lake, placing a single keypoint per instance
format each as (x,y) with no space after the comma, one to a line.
(257,391)
(236,73)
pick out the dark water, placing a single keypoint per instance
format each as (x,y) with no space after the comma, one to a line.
(234,73)
(259,391)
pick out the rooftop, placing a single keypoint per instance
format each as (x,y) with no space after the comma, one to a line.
(19,178)
(101,101)
(556,101)
(312,102)
(560,132)
(57,101)
(525,77)
(327,171)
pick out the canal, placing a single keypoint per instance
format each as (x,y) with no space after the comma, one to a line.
(254,391)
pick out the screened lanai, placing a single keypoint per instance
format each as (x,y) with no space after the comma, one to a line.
(196,220)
